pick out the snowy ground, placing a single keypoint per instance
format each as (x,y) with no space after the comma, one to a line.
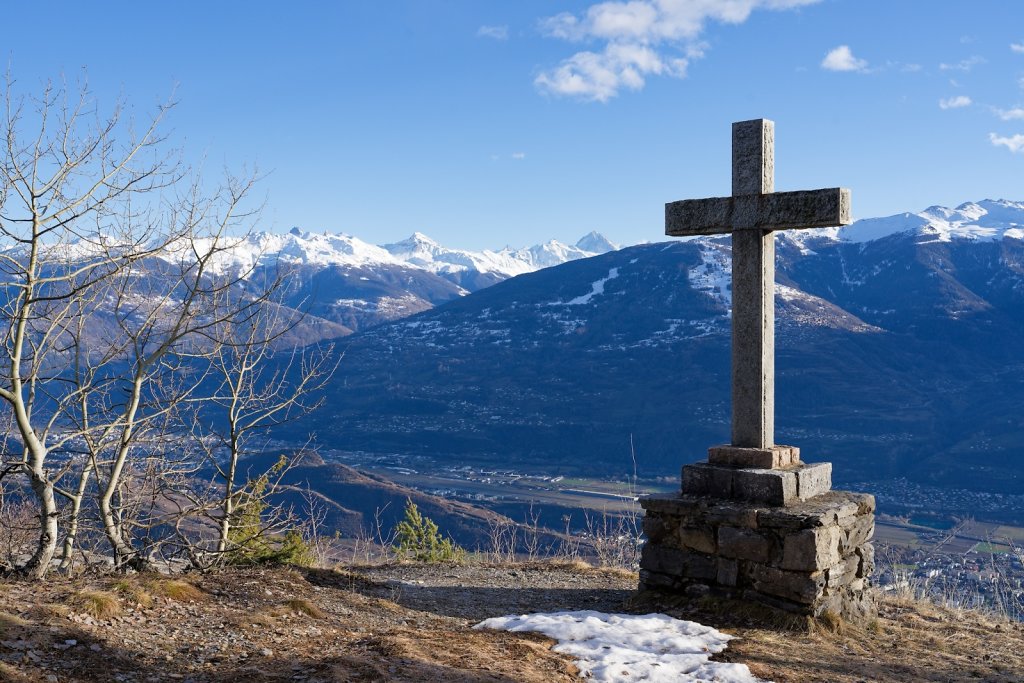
(626,647)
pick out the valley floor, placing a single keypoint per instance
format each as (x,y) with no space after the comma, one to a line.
(413,623)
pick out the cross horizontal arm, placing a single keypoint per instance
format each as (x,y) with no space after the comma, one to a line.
(771,211)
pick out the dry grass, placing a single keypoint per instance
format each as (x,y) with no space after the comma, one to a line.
(464,656)
(176,590)
(303,606)
(252,620)
(270,616)
(620,572)
(573,565)
(910,641)
(48,612)
(97,604)
(131,590)
(366,637)
(581,567)
(8,674)
(831,622)
(10,622)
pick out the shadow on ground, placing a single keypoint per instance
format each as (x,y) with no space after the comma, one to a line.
(476,603)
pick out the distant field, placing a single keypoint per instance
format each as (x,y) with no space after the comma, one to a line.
(526,497)
(960,545)
(990,548)
(894,534)
(553,501)
(1014,533)
(977,536)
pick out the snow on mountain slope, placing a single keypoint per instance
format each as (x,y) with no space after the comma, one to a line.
(297,248)
(797,308)
(551,253)
(714,274)
(596,243)
(422,252)
(596,289)
(986,220)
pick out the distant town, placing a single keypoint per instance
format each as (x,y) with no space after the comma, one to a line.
(960,547)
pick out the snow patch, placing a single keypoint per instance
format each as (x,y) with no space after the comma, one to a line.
(627,647)
(802,239)
(595,289)
(790,294)
(808,310)
(714,274)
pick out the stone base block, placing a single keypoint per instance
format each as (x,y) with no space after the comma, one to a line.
(767,486)
(808,558)
(775,457)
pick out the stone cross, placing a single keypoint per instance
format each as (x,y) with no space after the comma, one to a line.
(751,214)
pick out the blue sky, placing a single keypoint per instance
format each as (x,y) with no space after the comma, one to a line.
(492,123)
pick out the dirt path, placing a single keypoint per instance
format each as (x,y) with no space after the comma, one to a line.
(314,626)
(475,593)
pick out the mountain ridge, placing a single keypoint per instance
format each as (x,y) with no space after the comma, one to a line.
(895,356)
(353,285)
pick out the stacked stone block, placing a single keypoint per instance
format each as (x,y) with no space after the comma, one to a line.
(778,537)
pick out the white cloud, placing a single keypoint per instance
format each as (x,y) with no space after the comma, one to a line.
(1017,113)
(1014,143)
(964,64)
(600,76)
(957,102)
(1017,47)
(842,59)
(518,155)
(496,32)
(641,38)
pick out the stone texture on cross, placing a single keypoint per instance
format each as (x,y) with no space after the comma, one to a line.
(751,214)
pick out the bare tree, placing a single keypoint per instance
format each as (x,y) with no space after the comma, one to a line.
(73,214)
(169,322)
(261,384)
(126,325)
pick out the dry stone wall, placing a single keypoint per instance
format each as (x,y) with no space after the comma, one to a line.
(806,557)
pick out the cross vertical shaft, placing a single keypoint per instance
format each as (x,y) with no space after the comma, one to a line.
(753,292)
(751,214)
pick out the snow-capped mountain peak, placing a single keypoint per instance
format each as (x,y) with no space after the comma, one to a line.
(417,248)
(296,247)
(986,220)
(423,252)
(596,243)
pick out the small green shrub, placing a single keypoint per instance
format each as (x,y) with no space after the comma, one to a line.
(291,549)
(248,538)
(417,539)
